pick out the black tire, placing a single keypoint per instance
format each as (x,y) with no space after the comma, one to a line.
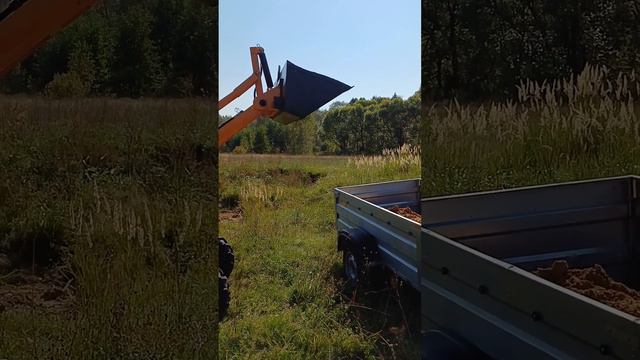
(226,259)
(224,295)
(360,259)
(353,265)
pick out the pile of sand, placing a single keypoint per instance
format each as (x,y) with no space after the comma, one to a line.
(595,283)
(406,212)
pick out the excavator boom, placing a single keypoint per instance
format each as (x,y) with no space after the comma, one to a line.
(25,24)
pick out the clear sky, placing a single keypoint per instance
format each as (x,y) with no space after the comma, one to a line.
(373,45)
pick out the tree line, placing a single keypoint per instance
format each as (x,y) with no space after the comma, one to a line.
(127,48)
(479,49)
(361,126)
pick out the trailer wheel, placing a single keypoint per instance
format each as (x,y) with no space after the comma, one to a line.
(224,295)
(226,259)
(359,255)
(353,265)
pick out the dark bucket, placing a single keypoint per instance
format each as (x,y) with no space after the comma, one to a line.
(305,92)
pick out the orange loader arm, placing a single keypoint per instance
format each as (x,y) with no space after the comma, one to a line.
(264,103)
(25,24)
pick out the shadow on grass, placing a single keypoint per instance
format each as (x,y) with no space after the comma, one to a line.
(387,308)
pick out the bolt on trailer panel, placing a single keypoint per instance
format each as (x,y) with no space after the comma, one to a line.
(477,252)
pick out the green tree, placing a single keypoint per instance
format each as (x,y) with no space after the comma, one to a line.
(369,126)
(137,67)
(277,135)
(77,81)
(301,136)
(140,48)
(261,142)
(478,50)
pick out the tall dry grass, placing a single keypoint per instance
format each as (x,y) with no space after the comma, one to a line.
(125,193)
(578,127)
(401,159)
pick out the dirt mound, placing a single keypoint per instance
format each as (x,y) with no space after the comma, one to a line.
(229,215)
(20,290)
(229,208)
(293,177)
(406,212)
(594,283)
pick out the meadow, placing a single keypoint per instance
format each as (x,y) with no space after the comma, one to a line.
(108,218)
(288,299)
(579,127)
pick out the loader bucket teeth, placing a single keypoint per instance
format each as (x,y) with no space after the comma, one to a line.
(304,92)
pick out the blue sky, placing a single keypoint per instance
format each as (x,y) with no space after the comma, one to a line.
(372,45)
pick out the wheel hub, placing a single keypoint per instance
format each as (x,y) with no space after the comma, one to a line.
(351,267)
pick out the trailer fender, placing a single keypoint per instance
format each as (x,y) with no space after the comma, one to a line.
(439,345)
(356,237)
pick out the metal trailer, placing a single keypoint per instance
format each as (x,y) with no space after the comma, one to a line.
(364,221)
(476,252)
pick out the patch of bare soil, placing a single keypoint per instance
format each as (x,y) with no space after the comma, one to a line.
(21,290)
(229,215)
(291,177)
(594,283)
(406,212)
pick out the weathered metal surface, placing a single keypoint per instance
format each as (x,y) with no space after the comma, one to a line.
(527,200)
(476,249)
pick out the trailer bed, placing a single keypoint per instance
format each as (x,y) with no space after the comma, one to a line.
(477,252)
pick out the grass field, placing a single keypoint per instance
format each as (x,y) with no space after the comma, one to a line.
(288,299)
(569,129)
(108,217)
